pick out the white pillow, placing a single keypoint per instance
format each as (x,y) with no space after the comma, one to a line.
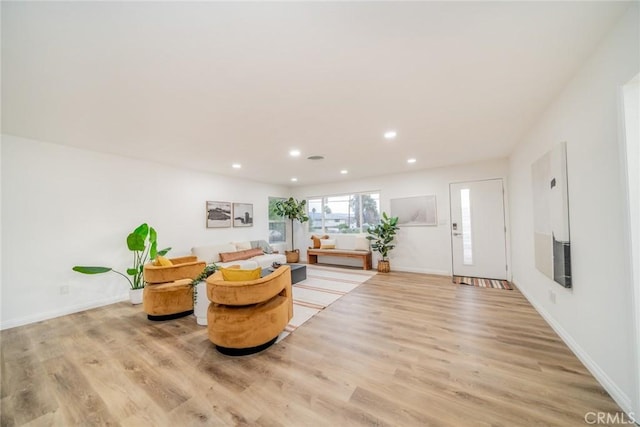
(212,253)
(242,246)
(362,244)
(327,243)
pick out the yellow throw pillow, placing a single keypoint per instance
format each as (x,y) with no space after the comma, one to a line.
(237,275)
(163,261)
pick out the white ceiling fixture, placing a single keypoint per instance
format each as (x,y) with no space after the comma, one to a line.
(344,171)
(390,134)
(294,179)
(236,165)
(294,153)
(462,81)
(411,160)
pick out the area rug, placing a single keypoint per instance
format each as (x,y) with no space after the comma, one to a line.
(322,287)
(482,283)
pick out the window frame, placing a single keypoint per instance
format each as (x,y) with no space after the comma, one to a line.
(270,221)
(323,206)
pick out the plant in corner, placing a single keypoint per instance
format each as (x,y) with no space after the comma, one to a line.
(381,236)
(143,242)
(293,210)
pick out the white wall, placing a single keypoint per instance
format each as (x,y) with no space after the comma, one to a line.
(419,249)
(63,206)
(1,239)
(595,316)
(631,157)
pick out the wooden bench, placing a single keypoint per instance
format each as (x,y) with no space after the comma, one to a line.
(365,256)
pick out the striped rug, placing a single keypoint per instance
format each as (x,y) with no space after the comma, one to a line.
(323,286)
(482,283)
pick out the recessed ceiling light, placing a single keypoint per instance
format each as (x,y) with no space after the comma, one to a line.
(294,179)
(294,153)
(390,134)
(236,165)
(411,160)
(344,171)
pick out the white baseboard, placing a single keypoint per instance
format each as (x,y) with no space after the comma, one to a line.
(405,269)
(620,397)
(62,312)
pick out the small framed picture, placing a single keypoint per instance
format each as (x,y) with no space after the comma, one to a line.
(243,215)
(218,214)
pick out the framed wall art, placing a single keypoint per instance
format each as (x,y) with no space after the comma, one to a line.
(218,214)
(243,215)
(415,211)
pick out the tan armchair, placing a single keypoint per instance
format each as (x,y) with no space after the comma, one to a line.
(247,317)
(168,293)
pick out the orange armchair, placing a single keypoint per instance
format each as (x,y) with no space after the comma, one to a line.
(168,293)
(247,317)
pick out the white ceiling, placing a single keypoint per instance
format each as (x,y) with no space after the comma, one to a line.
(203,85)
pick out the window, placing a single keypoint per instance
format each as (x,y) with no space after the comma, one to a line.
(314,210)
(467,244)
(346,213)
(277,224)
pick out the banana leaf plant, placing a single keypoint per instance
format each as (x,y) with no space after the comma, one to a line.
(143,242)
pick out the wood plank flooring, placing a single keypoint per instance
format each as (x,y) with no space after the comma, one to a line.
(401,350)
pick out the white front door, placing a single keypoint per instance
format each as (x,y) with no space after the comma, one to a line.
(478,233)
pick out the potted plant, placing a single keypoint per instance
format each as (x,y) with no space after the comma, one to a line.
(143,242)
(201,304)
(293,210)
(381,237)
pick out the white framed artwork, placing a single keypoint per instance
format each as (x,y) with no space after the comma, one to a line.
(218,214)
(243,215)
(415,211)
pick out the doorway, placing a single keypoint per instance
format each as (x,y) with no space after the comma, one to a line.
(478,232)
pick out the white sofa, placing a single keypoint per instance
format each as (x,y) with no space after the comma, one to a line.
(211,253)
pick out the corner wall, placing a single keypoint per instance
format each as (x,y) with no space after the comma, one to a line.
(63,206)
(595,317)
(418,249)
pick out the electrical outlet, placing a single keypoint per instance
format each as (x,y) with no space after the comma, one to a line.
(552,296)
(64,289)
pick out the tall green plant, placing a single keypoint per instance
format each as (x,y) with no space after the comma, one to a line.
(382,235)
(143,242)
(293,210)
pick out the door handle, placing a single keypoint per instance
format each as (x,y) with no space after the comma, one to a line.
(456,234)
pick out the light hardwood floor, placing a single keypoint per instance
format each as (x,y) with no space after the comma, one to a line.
(401,350)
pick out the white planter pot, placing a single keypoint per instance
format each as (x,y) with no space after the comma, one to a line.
(135,295)
(202,304)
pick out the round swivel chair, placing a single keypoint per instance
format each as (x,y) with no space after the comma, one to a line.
(245,317)
(168,293)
